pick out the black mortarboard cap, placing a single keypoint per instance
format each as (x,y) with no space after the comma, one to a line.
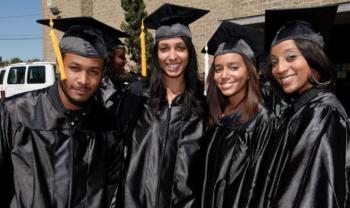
(171,20)
(113,42)
(234,38)
(312,24)
(84,36)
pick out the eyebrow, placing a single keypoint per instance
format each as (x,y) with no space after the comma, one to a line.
(230,63)
(233,62)
(74,63)
(290,49)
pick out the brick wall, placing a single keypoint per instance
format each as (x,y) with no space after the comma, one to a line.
(68,8)
(111,13)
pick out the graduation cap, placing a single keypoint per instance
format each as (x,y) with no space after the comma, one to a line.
(234,38)
(84,36)
(171,20)
(114,43)
(312,24)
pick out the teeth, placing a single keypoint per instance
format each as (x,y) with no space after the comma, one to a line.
(174,66)
(286,79)
(226,84)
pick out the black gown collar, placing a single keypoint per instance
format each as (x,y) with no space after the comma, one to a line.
(70,114)
(302,99)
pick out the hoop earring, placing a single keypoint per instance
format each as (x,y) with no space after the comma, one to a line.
(313,80)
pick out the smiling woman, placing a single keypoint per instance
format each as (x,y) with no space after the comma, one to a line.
(240,126)
(166,149)
(173,57)
(309,165)
(290,68)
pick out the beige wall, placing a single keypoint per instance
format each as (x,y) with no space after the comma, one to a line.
(110,12)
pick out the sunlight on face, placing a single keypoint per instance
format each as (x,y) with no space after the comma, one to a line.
(83,79)
(290,68)
(173,56)
(231,75)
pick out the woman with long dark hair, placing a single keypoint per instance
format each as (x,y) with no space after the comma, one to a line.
(164,157)
(240,126)
(310,162)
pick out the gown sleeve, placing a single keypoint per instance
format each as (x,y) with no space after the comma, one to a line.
(316,170)
(6,173)
(115,168)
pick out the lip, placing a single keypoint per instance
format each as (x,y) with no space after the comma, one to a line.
(227,85)
(81,90)
(173,67)
(285,80)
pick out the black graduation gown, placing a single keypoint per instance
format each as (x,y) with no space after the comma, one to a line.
(309,166)
(234,158)
(166,159)
(110,93)
(49,158)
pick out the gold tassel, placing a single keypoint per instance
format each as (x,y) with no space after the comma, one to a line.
(57,50)
(143,52)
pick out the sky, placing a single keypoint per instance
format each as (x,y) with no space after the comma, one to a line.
(20,35)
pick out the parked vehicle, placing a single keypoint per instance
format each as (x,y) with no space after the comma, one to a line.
(24,77)
(2,75)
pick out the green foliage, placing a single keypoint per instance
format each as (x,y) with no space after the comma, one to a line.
(11,61)
(33,60)
(16,60)
(134,13)
(4,63)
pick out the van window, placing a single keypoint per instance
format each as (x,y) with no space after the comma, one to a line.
(16,75)
(36,74)
(2,74)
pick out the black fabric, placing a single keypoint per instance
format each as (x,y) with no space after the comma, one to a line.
(165,156)
(234,159)
(298,30)
(111,92)
(271,99)
(49,160)
(84,36)
(313,24)
(309,162)
(84,41)
(171,20)
(63,24)
(234,38)
(113,43)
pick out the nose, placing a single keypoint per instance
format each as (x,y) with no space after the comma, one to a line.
(281,67)
(172,54)
(225,73)
(83,78)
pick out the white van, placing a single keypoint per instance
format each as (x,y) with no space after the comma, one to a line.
(24,77)
(2,75)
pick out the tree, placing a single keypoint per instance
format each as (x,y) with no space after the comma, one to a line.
(15,60)
(4,63)
(33,60)
(134,13)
